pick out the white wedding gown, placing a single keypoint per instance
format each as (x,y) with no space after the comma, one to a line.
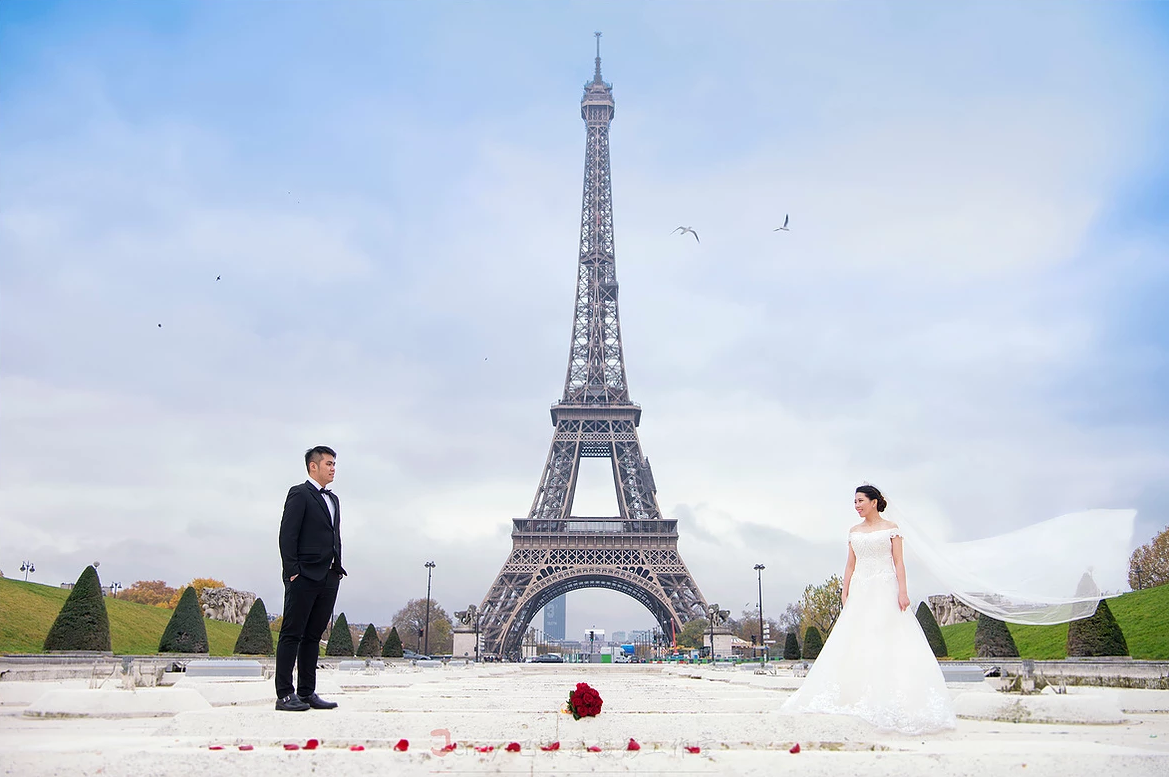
(876,663)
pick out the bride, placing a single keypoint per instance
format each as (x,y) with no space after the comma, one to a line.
(876,663)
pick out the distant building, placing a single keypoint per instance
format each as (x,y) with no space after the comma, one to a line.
(617,637)
(554,618)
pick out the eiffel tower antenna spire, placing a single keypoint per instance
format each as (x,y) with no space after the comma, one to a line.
(597,75)
(553,551)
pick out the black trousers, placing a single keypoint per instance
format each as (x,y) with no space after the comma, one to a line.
(307,607)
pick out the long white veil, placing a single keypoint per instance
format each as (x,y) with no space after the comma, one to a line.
(1041,574)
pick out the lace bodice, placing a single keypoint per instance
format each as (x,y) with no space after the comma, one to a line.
(874,552)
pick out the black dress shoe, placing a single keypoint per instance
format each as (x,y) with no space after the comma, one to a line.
(317,703)
(291,703)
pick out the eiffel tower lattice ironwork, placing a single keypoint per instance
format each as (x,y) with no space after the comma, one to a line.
(553,552)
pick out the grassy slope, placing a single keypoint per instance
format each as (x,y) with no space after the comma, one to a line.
(27,611)
(1143,617)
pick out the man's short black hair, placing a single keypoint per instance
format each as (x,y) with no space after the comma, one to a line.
(315,454)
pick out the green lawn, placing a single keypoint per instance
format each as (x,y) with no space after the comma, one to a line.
(27,611)
(1143,617)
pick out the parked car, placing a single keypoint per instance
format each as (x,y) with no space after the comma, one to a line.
(548,658)
(415,656)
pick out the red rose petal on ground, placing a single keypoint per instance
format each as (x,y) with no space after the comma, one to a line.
(449,748)
(594,749)
(292,747)
(551,747)
(312,744)
(632,745)
(693,749)
(357,748)
(247,747)
(402,746)
(512,747)
(795,748)
(215,747)
(485,749)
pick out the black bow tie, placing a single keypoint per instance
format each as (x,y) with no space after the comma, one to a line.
(326,491)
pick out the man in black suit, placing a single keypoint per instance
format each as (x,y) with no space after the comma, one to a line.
(310,555)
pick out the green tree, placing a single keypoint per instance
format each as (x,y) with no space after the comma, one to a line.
(185,632)
(82,623)
(813,643)
(412,618)
(370,645)
(933,633)
(1096,635)
(992,639)
(791,647)
(340,640)
(255,638)
(821,606)
(393,646)
(693,634)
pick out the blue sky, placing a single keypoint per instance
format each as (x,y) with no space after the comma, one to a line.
(968,310)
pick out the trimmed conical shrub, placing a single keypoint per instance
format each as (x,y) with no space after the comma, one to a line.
(393,646)
(791,647)
(370,645)
(340,640)
(255,638)
(185,632)
(993,640)
(813,642)
(1097,635)
(83,623)
(933,633)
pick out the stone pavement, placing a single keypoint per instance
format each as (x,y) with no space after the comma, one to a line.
(65,727)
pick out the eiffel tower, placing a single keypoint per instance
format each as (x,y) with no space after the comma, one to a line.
(553,551)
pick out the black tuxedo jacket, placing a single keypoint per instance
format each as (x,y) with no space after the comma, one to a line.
(306,534)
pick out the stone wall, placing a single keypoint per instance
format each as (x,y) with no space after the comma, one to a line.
(226,604)
(948,610)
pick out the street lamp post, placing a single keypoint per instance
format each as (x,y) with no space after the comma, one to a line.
(1136,568)
(426,644)
(712,611)
(114,588)
(762,644)
(27,567)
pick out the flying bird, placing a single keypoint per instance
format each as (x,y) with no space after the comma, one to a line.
(217,277)
(684,230)
(784,227)
(160,326)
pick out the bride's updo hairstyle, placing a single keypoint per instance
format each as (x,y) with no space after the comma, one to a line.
(872,492)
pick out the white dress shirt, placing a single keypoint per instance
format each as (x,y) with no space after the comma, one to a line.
(328,501)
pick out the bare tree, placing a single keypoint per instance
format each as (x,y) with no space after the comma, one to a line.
(792,616)
(410,622)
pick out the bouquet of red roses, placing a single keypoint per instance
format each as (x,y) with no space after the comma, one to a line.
(584,702)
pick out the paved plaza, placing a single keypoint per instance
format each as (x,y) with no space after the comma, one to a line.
(731,715)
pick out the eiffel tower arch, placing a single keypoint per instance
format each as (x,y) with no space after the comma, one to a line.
(553,551)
